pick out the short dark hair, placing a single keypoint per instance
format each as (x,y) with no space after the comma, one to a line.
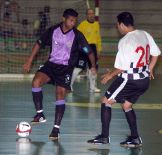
(126,18)
(46,9)
(6,15)
(70,12)
(24,22)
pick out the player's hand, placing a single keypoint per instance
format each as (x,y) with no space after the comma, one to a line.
(151,75)
(105,78)
(27,67)
(93,71)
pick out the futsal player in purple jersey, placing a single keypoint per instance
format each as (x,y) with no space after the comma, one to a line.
(65,42)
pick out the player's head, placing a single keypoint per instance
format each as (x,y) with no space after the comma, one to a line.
(90,15)
(6,16)
(125,22)
(70,18)
(126,18)
(47,9)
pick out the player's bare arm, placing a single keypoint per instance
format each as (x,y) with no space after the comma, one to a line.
(27,65)
(109,75)
(152,65)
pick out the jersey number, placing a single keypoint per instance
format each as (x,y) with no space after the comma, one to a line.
(144,53)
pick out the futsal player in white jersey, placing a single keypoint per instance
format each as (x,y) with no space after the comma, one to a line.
(134,65)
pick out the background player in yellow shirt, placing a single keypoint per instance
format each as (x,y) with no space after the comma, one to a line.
(91,30)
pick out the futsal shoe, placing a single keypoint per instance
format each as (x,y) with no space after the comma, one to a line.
(38,118)
(54,135)
(132,142)
(99,140)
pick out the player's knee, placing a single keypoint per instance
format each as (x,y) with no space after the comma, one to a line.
(127,105)
(60,92)
(36,83)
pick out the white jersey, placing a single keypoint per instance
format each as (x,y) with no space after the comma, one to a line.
(134,50)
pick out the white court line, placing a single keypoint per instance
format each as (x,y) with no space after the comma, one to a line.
(147,106)
(15,77)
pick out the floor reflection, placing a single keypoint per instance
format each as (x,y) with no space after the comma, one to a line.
(23,146)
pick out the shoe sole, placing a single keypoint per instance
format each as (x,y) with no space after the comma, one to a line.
(97,143)
(35,123)
(131,146)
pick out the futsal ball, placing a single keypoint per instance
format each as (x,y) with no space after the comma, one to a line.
(23,129)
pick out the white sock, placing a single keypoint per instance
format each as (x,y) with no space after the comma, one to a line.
(76,71)
(92,80)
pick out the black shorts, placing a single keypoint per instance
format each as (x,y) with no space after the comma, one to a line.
(127,90)
(94,49)
(84,59)
(60,75)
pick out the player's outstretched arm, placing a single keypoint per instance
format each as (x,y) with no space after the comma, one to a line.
(27,65)
(109,75)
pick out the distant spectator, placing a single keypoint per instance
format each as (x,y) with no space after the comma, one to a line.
(25,28)
(40,24)
(6,28)
(4,8)
(10,7)
(43,22)
(47,14)
(14,7)
(25,34)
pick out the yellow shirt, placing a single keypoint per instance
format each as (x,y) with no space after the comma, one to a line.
(91,32)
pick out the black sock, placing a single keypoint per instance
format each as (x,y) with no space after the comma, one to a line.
(37,98)
(131,119)
(105,119)
(59,112)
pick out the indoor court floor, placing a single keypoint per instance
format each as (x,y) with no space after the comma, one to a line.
(80,123)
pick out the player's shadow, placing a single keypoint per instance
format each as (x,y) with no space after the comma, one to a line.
(131,151)
(135,151)
(98,151)
(59,149)
(38,147)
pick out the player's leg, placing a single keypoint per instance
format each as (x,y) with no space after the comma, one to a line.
(92,81)
(38,81)
(131,118)
(93,78)
(132,91)
(62,77)
(59,111)
(103,138)
(107,102)
(76,72)
(133,140)
(106,115)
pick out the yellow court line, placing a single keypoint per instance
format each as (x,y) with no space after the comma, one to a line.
(145,106)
